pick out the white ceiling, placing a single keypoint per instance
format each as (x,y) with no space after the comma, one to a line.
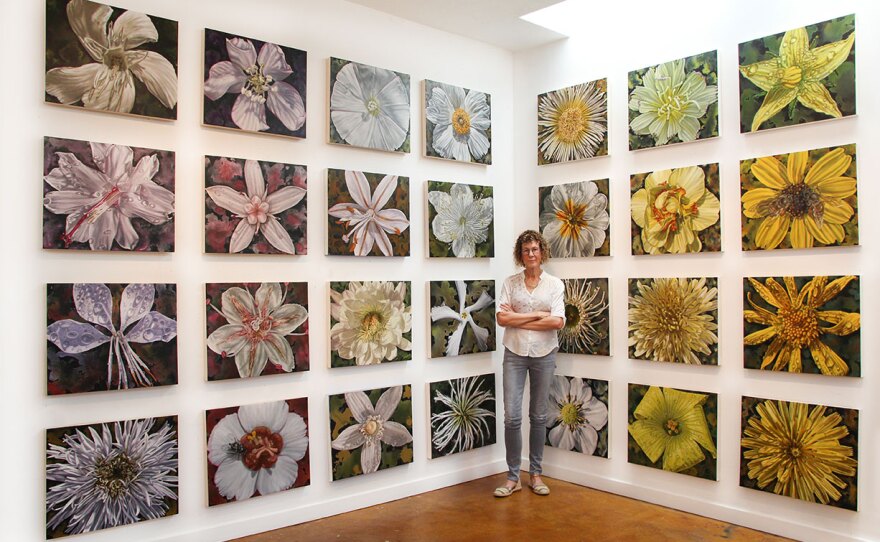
(491,21)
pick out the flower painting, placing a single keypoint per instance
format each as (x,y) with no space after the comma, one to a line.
(674,102)
(804,75)
(802,451)
(586,329)
(370,430)
(802,199)
(98,196)
(369,106)
(110,336)
(370,323)
(578,415)
(254,85)
(462,317)
(462,414)
(803,325)
(674,320)
(458,123)
(461,221)
(368,214)
(573,123)
(256,329)
(676,211)
(104,58)
(110,474)
(257,449)
(673,430)
(254,207)
(574,219)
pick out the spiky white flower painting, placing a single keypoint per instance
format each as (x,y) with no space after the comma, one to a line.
(110,474)
(462,414)
(462,317)
(257,449)
(104,58)
(573,123)
(461,220)
(587,319)
(578,415)
(458,123)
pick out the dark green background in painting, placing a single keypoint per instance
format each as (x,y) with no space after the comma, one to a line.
(63,49)
(848,347)
(429,126)
(600,392)
(484,383)
(337,192)
(708,468)
(602,185)
(706,64)
(850,418)
(841,83)
(347,463)
(444,292)
(439,249)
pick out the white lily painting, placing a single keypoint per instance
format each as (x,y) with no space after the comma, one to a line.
(577,417)
(369,106)
(462,414)
(458,123)
(254,207)
(462,317)
(254,85)
(110,336)
(370,430)
(104,58)
(368,214)
(100,197)
(461,221)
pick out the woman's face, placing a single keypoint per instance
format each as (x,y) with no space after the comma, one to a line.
(531,254)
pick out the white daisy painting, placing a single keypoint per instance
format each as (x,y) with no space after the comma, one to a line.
(462,414)
(370,430)
(577,417)
(257,449)
(104,58)
(574,219)
(110,474)
(461,221)
(462,317)
(573,123)
(458,123)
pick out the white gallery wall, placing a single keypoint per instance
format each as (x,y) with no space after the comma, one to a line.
(324,29)
(609,40)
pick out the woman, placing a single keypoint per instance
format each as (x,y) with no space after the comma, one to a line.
(531,308)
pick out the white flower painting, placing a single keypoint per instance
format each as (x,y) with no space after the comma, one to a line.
(462,317)
(574,219)
(461,221)
(458,123)
(578,415)
(462,414)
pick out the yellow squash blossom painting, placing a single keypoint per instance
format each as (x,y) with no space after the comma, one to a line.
(803,325)
(800,200)
(806,452)
(804,75)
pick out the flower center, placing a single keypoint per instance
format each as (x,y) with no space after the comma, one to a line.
(114,58)
(106,201)
(373,107)
(572,316)
(796,201)
(672,105)
(799,326)
(670,204)
(570,414)
(257,327)
(114,475)
(372,428)
(572,121)
(257,84)
(372,325)
(572,218)
(461,121)
(261,448)
(670,318)
(257,211)
(791,76)
(795,451)
(672,427)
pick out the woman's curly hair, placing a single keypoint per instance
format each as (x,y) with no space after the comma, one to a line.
(530,236)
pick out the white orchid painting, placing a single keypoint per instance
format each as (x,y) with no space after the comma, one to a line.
(104,58)
(368,214)
(575,219)
(370,430)
(101,197)
(462,414)
(462,317)
(458,123)
(461,221)
(369,106)
(256,329)
(110,336)
(254,207)
(254,85)
(257,449)
(577,417)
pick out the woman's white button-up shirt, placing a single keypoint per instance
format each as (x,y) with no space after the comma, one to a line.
(548,296)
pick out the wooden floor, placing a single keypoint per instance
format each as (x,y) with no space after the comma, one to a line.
(469,512)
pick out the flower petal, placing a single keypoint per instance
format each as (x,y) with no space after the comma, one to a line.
(249,114)
(227,340)
(242,236)
(113,90)
(235,481)
(371,456)
(227,431)
(388,401)
(237,305)
(251,360)
(755,199)
(287,318)
(800,237)
(278,236)
(231,200)
(224,77)
(272,415)
(586,439)
(796,166)
(349,439)
(386,188)
(772,231)
(253,178)
(295,435)
(64,202)
(377,235)
(268,297)
(833,164)
(72,337)
(360,405)
(284,198)
(89,22)
(771,173)
(271,58)
(815,96)
(793,46)
(285,102)
(69,85)
(776,99)
(241,52)
(358,188)
(153,327)
(395,434)
(94,303)
(281,476)
(763,74)
(827,360)
(136,302)
(393,221)
(827,58)
(132,29)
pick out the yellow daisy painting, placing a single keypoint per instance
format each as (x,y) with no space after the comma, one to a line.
(804,75)
(802,325)
(802,451)
(802,199)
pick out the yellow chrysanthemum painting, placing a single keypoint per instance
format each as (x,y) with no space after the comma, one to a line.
(807,452)
(802,199)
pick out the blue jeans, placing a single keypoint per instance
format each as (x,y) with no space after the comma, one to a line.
(540,371)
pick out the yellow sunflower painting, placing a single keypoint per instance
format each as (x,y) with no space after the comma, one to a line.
(803,325)
(800,200)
